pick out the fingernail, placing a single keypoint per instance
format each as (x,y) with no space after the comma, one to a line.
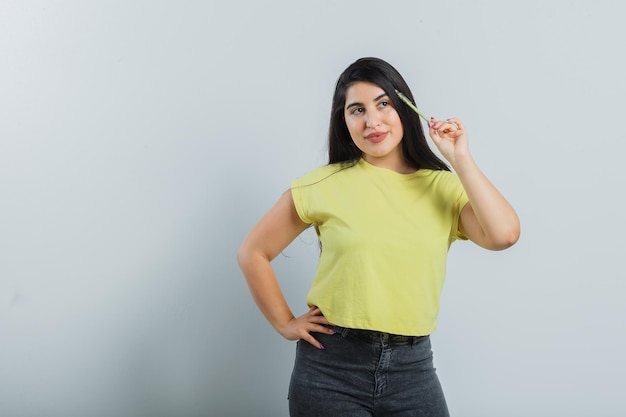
(322,346)
(428,123)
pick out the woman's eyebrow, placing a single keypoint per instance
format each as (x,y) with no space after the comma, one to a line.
(360,104)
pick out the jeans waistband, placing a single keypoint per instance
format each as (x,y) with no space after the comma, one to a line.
(376,336)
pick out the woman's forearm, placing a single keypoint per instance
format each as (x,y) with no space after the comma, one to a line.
(265,290)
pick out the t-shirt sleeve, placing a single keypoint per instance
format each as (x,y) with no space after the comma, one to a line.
(460,200)
(300,201)
(305,192)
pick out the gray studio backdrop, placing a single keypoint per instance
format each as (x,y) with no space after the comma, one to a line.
(141,140)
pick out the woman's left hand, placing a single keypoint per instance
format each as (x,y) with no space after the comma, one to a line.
(450,137)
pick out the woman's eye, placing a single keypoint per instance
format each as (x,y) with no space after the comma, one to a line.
(357,111)
(383,104)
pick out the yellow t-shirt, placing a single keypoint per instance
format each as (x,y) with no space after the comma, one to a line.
(385,237)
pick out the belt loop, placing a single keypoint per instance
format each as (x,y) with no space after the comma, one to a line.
(344,331)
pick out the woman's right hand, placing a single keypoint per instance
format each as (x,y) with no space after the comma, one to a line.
(301,327)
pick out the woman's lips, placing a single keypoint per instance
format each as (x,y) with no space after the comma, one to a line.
(376,137)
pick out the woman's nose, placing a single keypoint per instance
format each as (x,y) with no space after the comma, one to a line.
(371,121)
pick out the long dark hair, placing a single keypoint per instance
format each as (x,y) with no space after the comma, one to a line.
(341,148)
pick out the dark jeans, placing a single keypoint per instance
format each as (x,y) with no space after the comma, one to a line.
(363,373)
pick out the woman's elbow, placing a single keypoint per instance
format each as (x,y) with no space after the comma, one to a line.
(505,239)
(249,256)
(243,255)
(240,257)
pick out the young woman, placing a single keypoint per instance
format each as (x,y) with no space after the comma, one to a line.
(386,210)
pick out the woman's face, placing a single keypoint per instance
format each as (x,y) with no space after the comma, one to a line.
(374,125)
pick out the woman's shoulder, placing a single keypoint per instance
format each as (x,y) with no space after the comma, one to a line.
(439,174)
(319,174)
(443,182)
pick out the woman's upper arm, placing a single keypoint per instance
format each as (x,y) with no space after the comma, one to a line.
(276,229)
(469,226)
